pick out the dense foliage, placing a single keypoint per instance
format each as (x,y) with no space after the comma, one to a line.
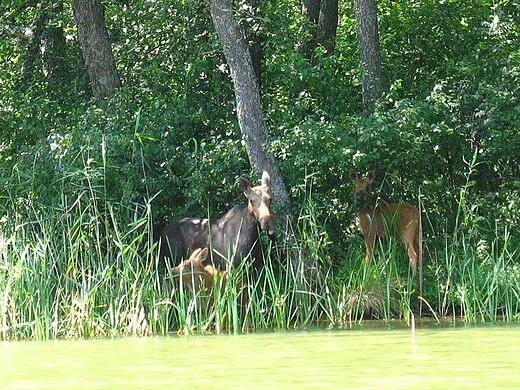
(168,144)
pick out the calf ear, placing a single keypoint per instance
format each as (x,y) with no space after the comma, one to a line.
(353,175)
(199,255)
(203,254)
(266,180)
(195,253)
(371,176)
(177,270)
(245,186)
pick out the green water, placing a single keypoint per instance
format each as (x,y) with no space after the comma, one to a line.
(442,357)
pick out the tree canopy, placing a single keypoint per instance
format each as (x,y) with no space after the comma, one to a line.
(448,117)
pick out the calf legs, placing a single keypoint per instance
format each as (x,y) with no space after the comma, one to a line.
(409,236)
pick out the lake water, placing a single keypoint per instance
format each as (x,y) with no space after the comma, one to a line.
(440,357)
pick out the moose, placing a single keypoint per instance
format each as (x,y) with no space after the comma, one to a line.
(377,218)
(231,239)
(195,275)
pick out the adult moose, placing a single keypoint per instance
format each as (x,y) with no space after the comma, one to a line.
(378,217)
(233,238)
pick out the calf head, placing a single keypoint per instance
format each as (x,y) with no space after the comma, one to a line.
(363,186)
(259,202)
(194,271)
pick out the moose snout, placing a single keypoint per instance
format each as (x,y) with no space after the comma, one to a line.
(359,197)
(267,224)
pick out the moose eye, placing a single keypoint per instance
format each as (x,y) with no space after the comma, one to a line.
(255,202)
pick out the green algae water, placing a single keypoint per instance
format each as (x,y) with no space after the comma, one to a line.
(433,358)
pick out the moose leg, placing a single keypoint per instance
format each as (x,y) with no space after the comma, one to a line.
(369,245)
(412,254)
(408,238)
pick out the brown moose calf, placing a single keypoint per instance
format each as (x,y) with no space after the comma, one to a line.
(377,218)
(195,275)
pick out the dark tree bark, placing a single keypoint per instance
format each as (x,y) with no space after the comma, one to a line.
(255,42)
(318,26)
(33,50)
(54,57)
(370,53)
(46,52)
(327,25)
(247,94)
(308,33)
(96,47)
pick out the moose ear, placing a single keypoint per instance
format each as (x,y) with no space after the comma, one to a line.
(198,256)
(266,180)
(371,176)
(353,175)
(203,254)
(244,185)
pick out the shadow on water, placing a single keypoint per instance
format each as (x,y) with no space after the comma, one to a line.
(371,355)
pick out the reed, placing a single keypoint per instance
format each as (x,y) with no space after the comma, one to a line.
(476,271)
(61,278)
(85,265)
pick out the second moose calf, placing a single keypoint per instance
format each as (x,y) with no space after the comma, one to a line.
(195,275)
(378,218)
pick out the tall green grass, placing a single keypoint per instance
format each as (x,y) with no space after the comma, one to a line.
(84,265)
(64,276)
(476,271)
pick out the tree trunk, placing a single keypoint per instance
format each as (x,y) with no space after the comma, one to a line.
(255,42)
(327,25)
(247,94)
(95,44)
(370,53)
(47,52)
(308,33)
(318,26)
(54,56)
(33,51)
